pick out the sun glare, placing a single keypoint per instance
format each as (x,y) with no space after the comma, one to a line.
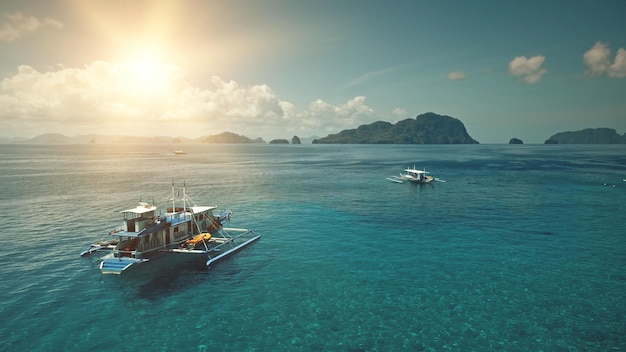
(147,78)
(144,68)
(145,71)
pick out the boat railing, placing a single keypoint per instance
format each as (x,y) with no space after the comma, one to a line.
(231,241)
(177,218)
(124,253)
(117,229)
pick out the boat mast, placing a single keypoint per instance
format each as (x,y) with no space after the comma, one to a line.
(184,197)
(173,198)
(185,209)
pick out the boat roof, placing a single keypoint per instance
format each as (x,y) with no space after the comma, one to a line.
(416,171)
(126,234)
(201,209)
(142,208)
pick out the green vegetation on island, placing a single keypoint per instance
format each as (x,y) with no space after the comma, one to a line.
(428,128)
(230,138)
(55,138)
(588,136)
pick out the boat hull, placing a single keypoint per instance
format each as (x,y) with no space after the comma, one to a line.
(216,249)
(424,181)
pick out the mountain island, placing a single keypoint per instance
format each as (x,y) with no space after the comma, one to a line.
(428,128)
(588,136)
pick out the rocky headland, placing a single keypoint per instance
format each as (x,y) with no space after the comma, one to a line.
(588,136)
(428,128)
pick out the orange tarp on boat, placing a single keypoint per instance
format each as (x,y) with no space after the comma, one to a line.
(199,238)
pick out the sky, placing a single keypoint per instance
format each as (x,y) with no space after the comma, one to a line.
(283,68)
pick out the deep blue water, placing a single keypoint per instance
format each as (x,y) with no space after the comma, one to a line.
(522,249)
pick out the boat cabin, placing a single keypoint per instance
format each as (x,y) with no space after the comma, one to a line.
(143,231)
(416,175)
(136,219)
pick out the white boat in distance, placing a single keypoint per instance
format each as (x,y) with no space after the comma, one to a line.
(188,231)
(414,175)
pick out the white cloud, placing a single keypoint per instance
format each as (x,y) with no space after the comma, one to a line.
(529,70)
(598,59)
(456,75)
(400,113)
(328,118)
(123,98)
(618,67)
(15,25)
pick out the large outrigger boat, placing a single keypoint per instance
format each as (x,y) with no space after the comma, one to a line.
(148,233)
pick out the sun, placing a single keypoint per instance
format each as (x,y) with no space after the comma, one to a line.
(141,77)
(147,75)
(144,69)
(144,57)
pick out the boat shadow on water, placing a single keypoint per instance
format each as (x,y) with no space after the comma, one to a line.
(171,282)
(170,278)
(229,272)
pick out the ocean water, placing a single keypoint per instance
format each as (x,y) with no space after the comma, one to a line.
(522,249)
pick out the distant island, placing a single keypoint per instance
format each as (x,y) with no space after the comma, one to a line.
(588,136)
(222,138)
(229,137)
(55,138)
(428,128)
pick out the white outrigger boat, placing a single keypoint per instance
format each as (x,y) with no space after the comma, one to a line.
(148,234)
(414,175)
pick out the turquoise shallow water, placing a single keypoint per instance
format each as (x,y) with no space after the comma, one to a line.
(522,249)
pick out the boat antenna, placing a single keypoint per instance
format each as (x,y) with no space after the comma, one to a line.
(184,197)
(173,198)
